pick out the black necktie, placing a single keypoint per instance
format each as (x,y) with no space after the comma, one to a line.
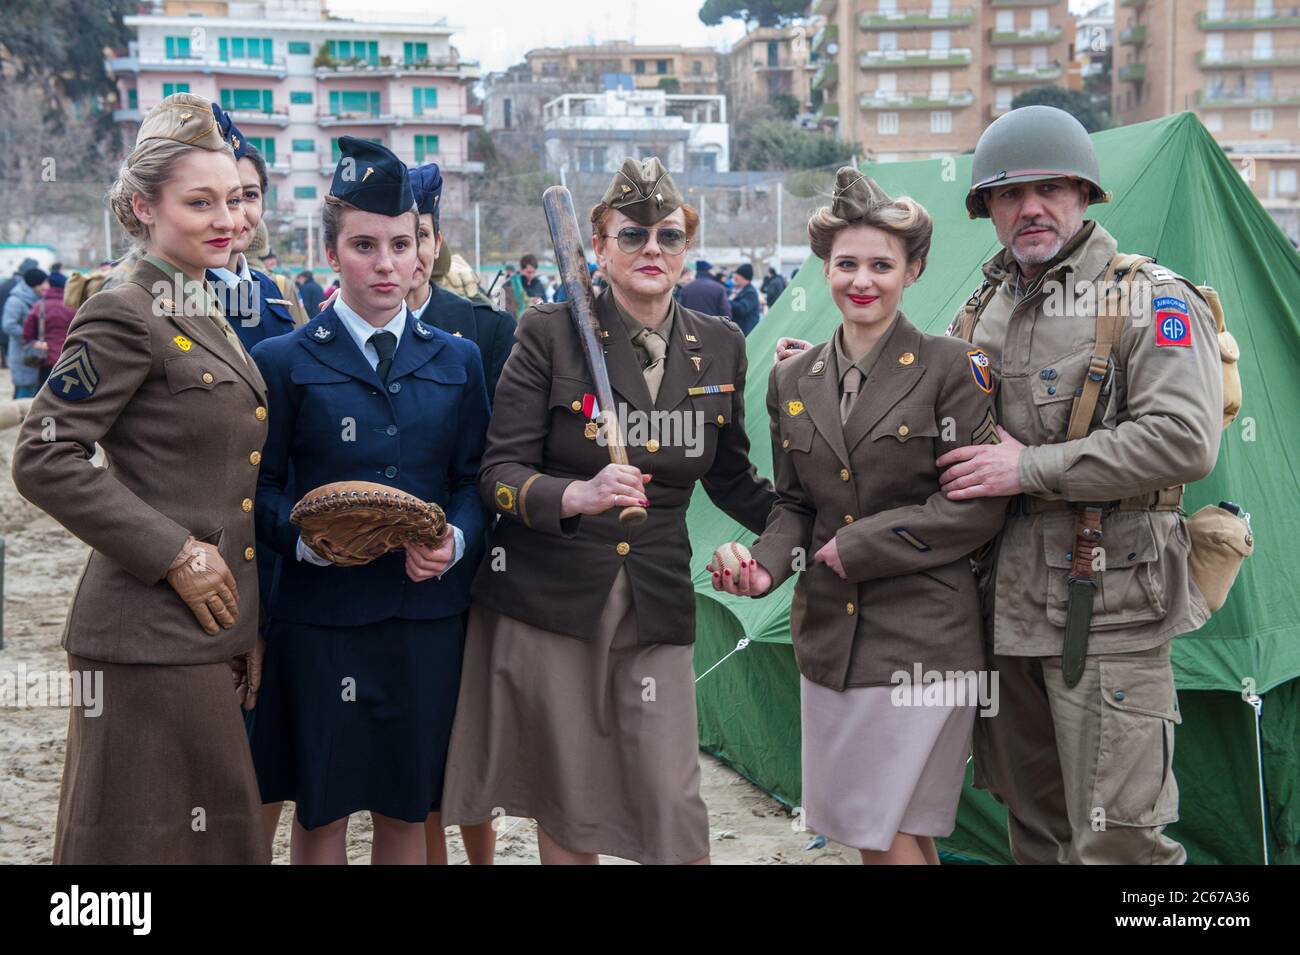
(385,344)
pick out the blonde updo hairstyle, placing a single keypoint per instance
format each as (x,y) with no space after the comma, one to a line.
(146,171)
(859,201)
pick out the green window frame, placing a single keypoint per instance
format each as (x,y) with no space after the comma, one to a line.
(304,145)
(264,145)
(254,101)
(354,101)
(424,98)
(425,145)
(413,53)
(299,48)
(133,98)
(661,67)
(365,50)
(178,47)
(301,97)
(304,192)
(336,155)
(170,88)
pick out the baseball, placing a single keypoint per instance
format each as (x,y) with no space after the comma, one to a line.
(731,557)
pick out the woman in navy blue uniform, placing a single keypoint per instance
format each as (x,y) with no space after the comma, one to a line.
(363,663)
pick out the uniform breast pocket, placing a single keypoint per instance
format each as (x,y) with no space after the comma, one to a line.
(1054,388)
(797,435)
(1130,590)
(203,374)
(451,375)
(316,375)
(911,425)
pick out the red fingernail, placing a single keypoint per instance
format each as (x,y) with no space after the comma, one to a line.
(727,572)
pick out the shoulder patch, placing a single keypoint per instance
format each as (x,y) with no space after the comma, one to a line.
(74,377)
(980,370)
(1173,329)
(505,497)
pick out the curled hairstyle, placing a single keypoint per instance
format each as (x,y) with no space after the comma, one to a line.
(859,201)
(145,171)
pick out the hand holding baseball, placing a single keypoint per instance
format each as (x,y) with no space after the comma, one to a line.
(736,572)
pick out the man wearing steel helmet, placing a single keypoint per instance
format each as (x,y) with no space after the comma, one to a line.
(1081,747)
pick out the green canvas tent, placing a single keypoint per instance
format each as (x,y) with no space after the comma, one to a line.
(1178,198)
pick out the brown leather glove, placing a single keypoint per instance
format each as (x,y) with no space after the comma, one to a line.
(204,582)
(247,672)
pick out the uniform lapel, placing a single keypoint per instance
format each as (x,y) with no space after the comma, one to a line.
(894,375)
(820,392)
(198,328)
(625,374)
(419,344)
(685,364)
(331,344)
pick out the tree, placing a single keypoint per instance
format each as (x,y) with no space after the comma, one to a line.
(775,144)
(784,104)
(1077,104)
(670,84)
(767,13)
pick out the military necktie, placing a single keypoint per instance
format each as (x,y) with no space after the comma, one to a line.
(851,384)
(385,345)
(656,348)
(218,319)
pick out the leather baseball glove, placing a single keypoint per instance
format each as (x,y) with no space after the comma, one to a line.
(353,522)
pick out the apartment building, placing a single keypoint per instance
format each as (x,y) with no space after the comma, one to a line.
(1236,63)
(914,79)
(769,62)
(675,69)
(295,80)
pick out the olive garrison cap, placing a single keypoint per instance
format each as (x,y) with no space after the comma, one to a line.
(185,118)
(370,178)
(643,191)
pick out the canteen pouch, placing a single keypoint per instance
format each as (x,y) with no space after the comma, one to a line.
(1221,540)
(1229,353)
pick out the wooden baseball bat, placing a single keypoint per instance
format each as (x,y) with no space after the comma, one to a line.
(571,260)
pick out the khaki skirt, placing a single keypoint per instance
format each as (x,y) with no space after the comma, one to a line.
(162,775)
(873,768)
(595,740)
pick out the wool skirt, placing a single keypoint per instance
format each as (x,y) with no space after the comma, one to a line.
(596,740)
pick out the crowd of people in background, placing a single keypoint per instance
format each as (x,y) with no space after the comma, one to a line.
(35,322)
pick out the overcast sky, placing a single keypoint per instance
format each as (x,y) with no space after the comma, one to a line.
(497,33)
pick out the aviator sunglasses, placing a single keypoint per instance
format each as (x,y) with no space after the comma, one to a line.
(633,239)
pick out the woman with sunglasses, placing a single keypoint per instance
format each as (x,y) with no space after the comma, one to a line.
(577,703)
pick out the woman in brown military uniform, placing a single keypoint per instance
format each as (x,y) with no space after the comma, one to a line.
(577,701)
(888,593)
(153,372)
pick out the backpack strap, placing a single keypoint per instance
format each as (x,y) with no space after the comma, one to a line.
(963,325)
(1110,325)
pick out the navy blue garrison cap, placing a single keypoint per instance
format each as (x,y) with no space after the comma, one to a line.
(371,178)
(426,183)
(230,132)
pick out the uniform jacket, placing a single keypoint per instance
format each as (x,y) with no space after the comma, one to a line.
(257,318)
(746,309)
(557,573)
(1157,424)
(333,420)
(182,419)
(872,484)
(706,296)
(493,331)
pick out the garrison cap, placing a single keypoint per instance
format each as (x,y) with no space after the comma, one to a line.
(426,184)
(370,178)
(230,132)
(185,118)
(643,191)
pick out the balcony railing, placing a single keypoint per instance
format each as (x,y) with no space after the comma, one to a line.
(1134,35)
(1133,4)
(824,37)
(1133,72)
(1226,59)
(397,117)
(828,75)
(1247,97)
(1025,74)
(916,100)
(923,19)
(462,68)
(1030,35)
(278,116)
(1250,18)
(197,64)
(892,59)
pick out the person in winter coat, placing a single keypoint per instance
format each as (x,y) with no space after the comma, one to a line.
(57,318)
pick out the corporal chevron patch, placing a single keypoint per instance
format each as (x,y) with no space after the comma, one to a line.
(74,378)
(986,432)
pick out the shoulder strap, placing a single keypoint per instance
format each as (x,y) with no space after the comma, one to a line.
(969,316)
(1110,324)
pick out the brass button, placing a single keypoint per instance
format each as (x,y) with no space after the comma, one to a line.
(849,609)
(260,413)
(652,445)
(904,431)
(576,406)
(623,548)
(248,553)
(255,457)
(246,504)
(722,419)
(785,443)
(207,378)
(848,518)
(844,474)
